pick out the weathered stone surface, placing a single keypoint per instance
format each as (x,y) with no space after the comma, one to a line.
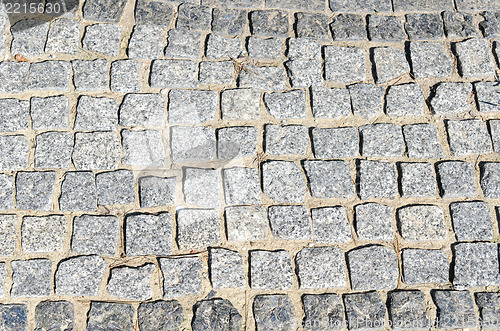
(15,150)
(422,266)
(8,225)
(271,270)
(53,150)
(379,6)
(390,64)
(125,76)
(197,228)
(422,141)
(217,73)
(183,43)
(35,189)
(471,220)
(417,180)
(194,17)
(491,24)
(226,268)
(488,96)
(219,47)
(273,312)
(474,58)
(332,143)
(310,25)
(201,187)
(385,28)
(407,310)
(29,37)
(283,105)
(305,73)
(102,38)
(160,315)
(192,106)
(142,110)
(14,115)
(373,268)
(240,104)
(147,234)
(241,186)
(146,42)
(246,223)
(330,225)
(64,36)
(489,305)
(31,278)
(430,60)
(189,144)
(330,102)
(96,114)
(14,317)
(264,48)
(43,234)
(320,267)
(283,181)
(96,150)
(156,191)
(425,26)
(263,78)
(405,100)
(229,21)
(237,142)
(304,48)
(344,64)
(323,312)
(374,222)
(377,179)
(110,315)
(13,76)
(476,264)
(451,98)
(131,283)
(381,140)
(459,25)
(95,234)
(422,223)
(422,5)
(115,187)
(110,11)
(173,73)
(54,315)
(153,13)
(216,314)
(90,75)
(49,75)
(56,118)
(143,148)
(329,179)
(181,276)
(490,179)
(79,275)
(367,99)
(364,310)
(455,309)
(290,222)
(283,140)
(456,179)
(468,137)
(348,27)
(269,23)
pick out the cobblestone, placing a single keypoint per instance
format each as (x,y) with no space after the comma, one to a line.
(430,60)
(377,180)
(265,265)
(422,141)
(320,267)
(385,28)
(488,96)
(146,42)
(107,315)
(236,142)
(57,315)
(422,223)
(15,152)
(490,26)
(456,179)
(14,316)
(264,48)
(330,102)
(96,150)
(197,228)
(407,308)
(455,309)
(475,59)
(246,223)
(14,76)
(153,13)
(90,75)
(216,314)
(229,21)
(367,99)
(131,283)
(451,98)
(417,180)
(344,64)
(361,308)
(95,234)
(459,25)
(323,311)
(312,26)
(283,181)
(405,100)
(330,225)
(269,23)
(201,187)
(94,41)
(348,27)
(79,275)
(374,222)
(194,17)
(8,225)
(226,269)
(332,143)
(381,140)
(241,186)
(29,37)
(263,78)
(423,266)
(181,276)
(173,73)
(390,64)
(160,315)
(192,144)
(34,190)
(329,179)
(53,150)
(373,268)
(31,278)
(274,312)
(476,264)
(147,234)
(43,234)
(143,148)
(290,222)
(424,26)
(490,181)
(488,307)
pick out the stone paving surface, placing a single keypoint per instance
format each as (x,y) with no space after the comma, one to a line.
(251,165)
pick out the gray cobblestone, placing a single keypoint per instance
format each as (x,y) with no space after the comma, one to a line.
(332,143)
(15,150)
(385,28)
(143,148)
(142,110)
(367,99)
(194,17)
(344,64)
(329,179)
(264,48)
(160,315)
(381,140)
(459,25)
(240,104)
(226,269)
(131,283)
(269,23)
(217,73)
(95,234)
(348,27)
(405,100)
(153,13)
(146,42)
(201,187)
(283,140)
(451,98)
(304,48)
(156,191)
(455,309)
(373,268)
(192,106)
(476,264)
(321,267)
(330,225)
(471,220)
(181,276)
(422,141)
(422,266)
(108,315)
(495,134)
(115,187)
(8,225)
(14,316)
(488,307)
(236,142)
(390,64)
(90,75)
(63,37)
(7,192)
(468,137)
(173,73)
(374,222)
(491,24)
(422,5)
(43,234)
(377,179)
(147,234)
(305,73)
(361,308)
(310,25)
(283,181)
(417,180)
(290,222)
(219,47)
(125,76)
(241,186)
(109,12)
(31,278)
(78,192)
(421,223)
(263,78)
(197,228)
(246,223)
(330,102)
(34,190)
(216,314)
(96,113)
(264,308)
(323,311)
(488,96)
(430,60)
(29,37)
(380,6)
(474,58)
(408,308)
(284,105)
(56,315)
(80,275)
(490,180)
(266,265)
(229,21)
(456,179)
(192,143)
(49,75)
(56,118)
(424,26)
(96,150)
(102,38)
(183,43)
(13,76)
(53,150)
